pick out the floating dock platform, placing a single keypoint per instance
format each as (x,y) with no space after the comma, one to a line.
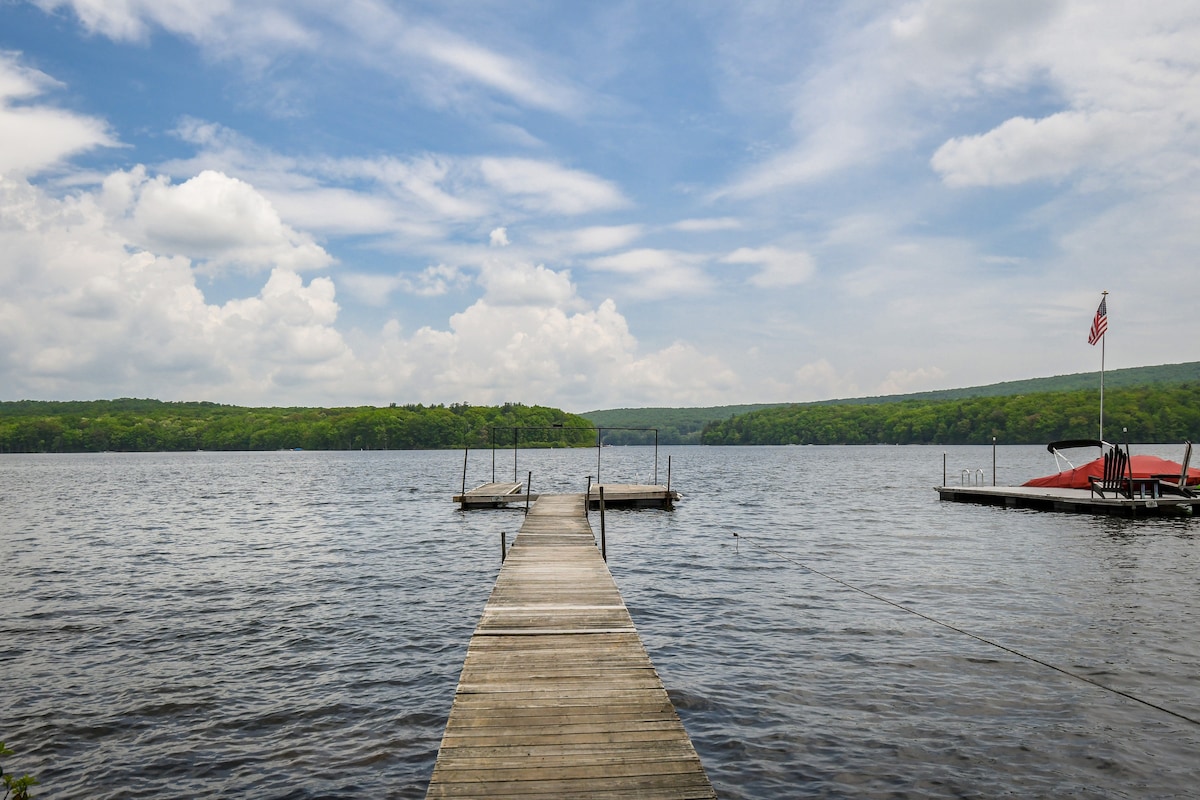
(557,696)
(632,495)
(616,495)
(493,495)
(1075,500)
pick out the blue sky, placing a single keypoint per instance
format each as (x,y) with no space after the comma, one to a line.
(590,204)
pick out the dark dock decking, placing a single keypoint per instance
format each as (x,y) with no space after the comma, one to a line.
(492,495)
(1076,500)
(557,696)
(616,495)
(632,495)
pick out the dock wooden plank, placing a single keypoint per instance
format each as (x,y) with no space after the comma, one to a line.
(616,495)
(632,494)
(557,696)
(492,495)
(1073,500)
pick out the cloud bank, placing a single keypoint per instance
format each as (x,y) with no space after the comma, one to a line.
(372,203)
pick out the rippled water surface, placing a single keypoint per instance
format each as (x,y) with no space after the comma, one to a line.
(292,625)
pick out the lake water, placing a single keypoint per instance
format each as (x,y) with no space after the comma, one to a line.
(292,625)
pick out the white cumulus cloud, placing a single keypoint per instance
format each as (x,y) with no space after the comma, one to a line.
(34,138)
(91,311)
(508,283)
(97,312)
(212,217)
(1127,83)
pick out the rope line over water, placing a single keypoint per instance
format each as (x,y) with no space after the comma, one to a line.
(975,636)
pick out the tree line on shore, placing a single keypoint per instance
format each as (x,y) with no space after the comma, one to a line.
(1150,414)
(628,426)
(133,425)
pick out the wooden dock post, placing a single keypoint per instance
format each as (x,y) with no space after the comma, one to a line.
(557,696)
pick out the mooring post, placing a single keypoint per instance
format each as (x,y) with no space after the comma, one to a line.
(466,450)
(656,456)
(943,469)
(668,477)
(503,546)
(993,461)
(603,538)
(587,498)
(528,490)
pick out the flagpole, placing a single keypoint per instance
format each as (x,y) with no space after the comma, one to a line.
(1103,343)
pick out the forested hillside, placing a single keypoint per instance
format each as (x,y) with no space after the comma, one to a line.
(684,425)
(1150,413)
(674,425)
(148,425)
(1161,374)
(1156,404)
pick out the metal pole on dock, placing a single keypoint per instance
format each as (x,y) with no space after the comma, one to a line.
(603,538)
(464,485)
(493,455)
(503,546)
(668,477)
(1103,344)
(656,456)
(528,490)
(587,498)
(993,461)
(516,433)
(943,469)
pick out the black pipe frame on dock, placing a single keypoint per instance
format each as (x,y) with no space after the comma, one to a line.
(559,427)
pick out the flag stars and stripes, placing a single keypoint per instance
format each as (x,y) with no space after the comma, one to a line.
(1100,323)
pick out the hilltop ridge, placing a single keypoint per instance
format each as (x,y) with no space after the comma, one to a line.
(684,424)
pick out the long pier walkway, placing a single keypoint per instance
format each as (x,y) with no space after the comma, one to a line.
(557,696)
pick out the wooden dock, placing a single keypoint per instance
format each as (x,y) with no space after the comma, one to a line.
(492,495)
(1075,500)
(632,495)
(616,495)
(557,696)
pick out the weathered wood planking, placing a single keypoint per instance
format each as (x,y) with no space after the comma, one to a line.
(491,495)
(1074,500)
(617,495)
(557,696)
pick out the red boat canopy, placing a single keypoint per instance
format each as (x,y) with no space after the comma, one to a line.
(1142,467)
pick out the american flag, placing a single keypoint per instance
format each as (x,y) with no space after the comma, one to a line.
(1100,323)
